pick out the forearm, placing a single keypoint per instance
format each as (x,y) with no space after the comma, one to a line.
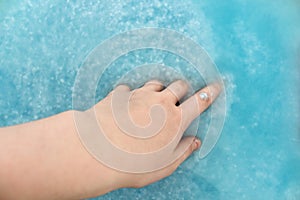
(45,159)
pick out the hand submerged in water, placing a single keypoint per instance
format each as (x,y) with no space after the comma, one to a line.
(159,135)
(46,159)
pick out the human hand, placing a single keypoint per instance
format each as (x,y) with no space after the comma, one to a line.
(46,159)
(118,124)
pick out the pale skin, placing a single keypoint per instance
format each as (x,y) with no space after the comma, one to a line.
(45,159)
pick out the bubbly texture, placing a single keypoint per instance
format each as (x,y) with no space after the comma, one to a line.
(255,45)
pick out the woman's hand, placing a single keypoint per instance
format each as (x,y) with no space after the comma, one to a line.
(139,103)
(46,159)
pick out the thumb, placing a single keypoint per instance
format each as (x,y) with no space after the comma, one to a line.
(187,145)
(184,149)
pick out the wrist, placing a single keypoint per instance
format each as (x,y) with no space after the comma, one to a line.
(93,177)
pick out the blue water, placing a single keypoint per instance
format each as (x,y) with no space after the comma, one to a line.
(255,44)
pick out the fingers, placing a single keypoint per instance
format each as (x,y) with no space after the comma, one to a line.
(154,85)
(199,102)
(206,96)
(184,149)
(123,87)
(176,90)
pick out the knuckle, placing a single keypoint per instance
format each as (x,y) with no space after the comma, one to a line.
(153,81)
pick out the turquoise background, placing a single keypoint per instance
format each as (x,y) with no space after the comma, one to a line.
(255,44)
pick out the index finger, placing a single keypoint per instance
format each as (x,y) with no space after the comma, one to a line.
(198,103)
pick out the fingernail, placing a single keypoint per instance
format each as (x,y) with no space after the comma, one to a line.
(196,144)
(203,96)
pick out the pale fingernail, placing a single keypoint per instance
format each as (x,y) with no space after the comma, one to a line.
(203,96)
(196,144)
